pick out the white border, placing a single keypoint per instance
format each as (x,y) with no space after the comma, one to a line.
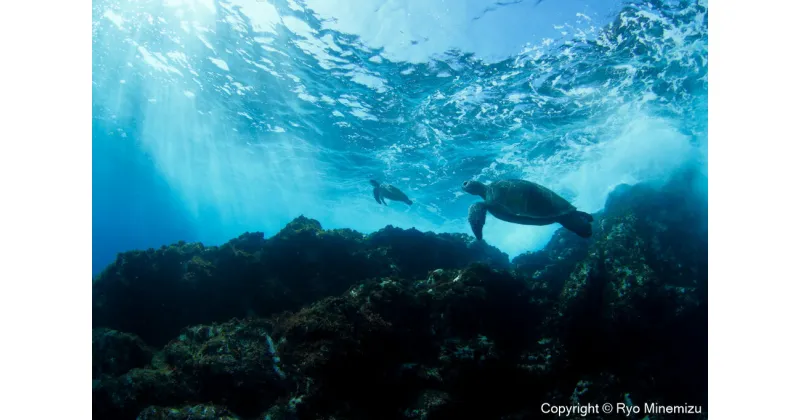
(753,210)
(45,216)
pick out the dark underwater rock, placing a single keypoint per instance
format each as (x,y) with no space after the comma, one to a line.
(481,301)
(637,305)
(400,324)
(346,351)
(190,412)
(550,267)
(425,342)
(415,253)
(125,396)
(156,293)
(233,364)
(115,353)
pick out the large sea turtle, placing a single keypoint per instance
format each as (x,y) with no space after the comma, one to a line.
(383,191)
(525,203)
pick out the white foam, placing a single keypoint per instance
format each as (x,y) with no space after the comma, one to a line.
(219,63)
(263,16)
(114,18)
(299,27)
(157,61)
(361,77)
(643,148)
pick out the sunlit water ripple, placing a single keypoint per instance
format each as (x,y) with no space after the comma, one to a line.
(257,111)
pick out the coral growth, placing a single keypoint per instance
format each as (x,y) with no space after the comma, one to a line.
(401,324)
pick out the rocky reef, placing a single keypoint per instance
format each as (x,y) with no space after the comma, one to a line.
(402,324)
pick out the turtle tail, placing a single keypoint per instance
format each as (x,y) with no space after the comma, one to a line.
(578,222)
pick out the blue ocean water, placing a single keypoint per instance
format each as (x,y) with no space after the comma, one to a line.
(212,118)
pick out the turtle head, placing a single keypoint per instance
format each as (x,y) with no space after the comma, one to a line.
(474,188)
(374,183)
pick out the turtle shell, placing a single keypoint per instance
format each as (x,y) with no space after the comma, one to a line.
(527,199)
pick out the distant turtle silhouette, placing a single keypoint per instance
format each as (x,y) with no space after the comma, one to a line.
(524,203)
(381,192)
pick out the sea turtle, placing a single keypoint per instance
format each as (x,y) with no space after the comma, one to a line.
(384,191)
(525,203)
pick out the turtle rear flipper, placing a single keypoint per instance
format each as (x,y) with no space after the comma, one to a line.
(578,222)
(404,198)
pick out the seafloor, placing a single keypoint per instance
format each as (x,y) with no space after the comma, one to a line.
(401,324)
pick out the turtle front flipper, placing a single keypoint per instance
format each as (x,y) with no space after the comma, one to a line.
(477,218)
(377,194)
